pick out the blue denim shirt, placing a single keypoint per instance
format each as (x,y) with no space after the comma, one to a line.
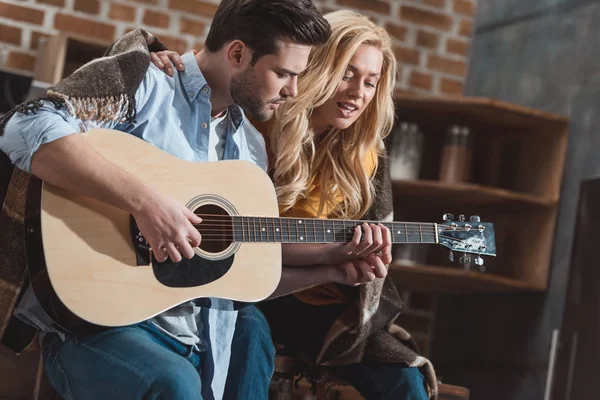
(173,114)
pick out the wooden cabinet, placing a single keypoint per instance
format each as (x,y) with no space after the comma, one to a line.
(518,155)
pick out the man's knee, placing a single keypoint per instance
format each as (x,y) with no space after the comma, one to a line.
(253,334)
(175,382)
(252,326)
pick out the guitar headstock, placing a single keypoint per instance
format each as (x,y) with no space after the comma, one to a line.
(469,237)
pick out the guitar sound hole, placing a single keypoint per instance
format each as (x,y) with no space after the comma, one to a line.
(216,228)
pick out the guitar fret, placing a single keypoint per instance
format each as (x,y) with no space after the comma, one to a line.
(395,231)
(306,238)
(251,237)
(242,225)
(266,229)
(334,231)
(277,231)
(260,231)
(299,238)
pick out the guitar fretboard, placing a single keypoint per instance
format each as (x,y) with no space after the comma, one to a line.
(297,230)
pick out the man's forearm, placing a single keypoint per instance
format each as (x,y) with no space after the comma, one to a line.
(71,163)
(294,279)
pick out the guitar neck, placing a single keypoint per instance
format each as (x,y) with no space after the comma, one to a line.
(298,230)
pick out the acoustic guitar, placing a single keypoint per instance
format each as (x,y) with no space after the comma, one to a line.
(91,268)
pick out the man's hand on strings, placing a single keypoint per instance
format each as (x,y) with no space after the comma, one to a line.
(168,228)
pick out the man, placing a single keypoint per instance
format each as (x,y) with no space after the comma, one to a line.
(253,54)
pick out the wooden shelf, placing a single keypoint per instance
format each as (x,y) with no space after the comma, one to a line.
(516,167)
(452,280)
(510,119)
(459,194)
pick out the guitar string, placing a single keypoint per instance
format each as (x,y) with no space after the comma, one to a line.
(261,225)
(311,225)
(213,238)
(220,217)
(285,223)
(287,231)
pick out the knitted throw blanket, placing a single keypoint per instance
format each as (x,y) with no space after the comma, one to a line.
(365,330)
(101,90)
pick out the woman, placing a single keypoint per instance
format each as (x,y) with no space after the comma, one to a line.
(328,161)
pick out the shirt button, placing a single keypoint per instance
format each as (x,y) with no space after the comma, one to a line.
(204,125)
(191,94)
(205,90)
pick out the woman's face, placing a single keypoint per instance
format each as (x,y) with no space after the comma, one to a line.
(355,92)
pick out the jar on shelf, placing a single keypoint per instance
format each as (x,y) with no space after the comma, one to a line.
(455,163)
(406,151)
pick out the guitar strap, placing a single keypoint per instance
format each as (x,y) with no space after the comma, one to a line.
(13,263)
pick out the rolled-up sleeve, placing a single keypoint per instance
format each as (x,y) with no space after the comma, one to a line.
(24,134)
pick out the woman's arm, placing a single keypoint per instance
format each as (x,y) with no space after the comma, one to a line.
(353,272)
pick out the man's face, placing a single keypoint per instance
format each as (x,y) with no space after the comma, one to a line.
(261,88)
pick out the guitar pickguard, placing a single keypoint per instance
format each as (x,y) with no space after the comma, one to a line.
(190,273)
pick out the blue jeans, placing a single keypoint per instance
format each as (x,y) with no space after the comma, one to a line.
(381,381)
(141,362)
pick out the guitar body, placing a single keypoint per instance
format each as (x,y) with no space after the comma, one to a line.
(90,268)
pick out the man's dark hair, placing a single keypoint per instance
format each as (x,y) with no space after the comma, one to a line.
(260,24)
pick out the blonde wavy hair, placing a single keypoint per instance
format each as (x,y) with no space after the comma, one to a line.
(337,164)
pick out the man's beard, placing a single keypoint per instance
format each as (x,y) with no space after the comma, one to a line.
(246,93)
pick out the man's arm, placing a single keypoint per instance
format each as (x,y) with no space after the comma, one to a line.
(71,163)
(46,144)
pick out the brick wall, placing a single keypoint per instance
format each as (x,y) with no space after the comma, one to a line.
(432,37)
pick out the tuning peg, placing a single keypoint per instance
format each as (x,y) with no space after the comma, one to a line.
(448,217)
(451,256)
(465,258)
(475,218)
(479,260)
(461,217)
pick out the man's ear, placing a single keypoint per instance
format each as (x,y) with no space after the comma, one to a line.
(238,54)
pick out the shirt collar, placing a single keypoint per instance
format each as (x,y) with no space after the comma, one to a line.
(192,78)
(237,116)
(194,83)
